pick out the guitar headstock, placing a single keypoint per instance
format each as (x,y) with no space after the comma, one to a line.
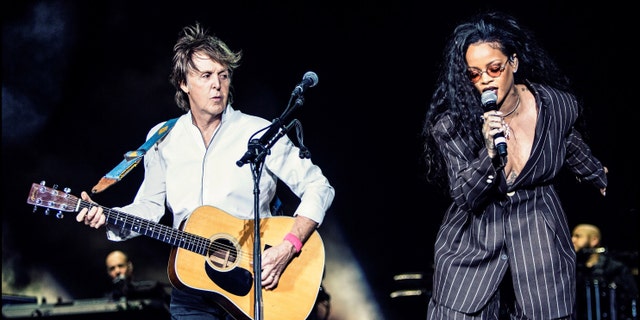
(52,198)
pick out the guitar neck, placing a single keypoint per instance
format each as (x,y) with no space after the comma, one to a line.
(166,234)
(51,198)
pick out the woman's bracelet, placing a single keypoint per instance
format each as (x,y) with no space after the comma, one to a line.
(294,241)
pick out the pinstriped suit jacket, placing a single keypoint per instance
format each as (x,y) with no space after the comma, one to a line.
(491,226)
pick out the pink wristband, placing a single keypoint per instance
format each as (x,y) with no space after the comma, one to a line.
(294,241)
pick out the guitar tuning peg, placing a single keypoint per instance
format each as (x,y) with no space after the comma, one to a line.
(67,190)
(42,183)
(55,186)
(35,208)
(59,215)
(47,212)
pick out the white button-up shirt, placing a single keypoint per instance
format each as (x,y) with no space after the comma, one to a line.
(182,173)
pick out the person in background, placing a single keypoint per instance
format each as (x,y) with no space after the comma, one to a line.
(120,271)
(598,272)
(195,165)
(504,240)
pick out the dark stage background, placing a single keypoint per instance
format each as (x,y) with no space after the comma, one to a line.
(83,82)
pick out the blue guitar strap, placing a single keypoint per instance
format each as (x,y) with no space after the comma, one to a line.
(132,158)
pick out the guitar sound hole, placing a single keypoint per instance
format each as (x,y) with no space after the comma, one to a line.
(223,254)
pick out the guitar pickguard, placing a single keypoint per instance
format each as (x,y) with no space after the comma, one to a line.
(236,281)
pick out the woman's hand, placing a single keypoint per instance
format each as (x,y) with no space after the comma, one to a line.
(603,191)
(493,123)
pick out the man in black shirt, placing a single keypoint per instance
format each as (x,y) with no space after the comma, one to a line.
(605,287)
(120,270)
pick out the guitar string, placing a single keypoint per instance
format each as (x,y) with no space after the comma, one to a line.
(192,240)
(189,241)
(195,240)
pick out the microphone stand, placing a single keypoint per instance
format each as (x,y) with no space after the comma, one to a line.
(258,149)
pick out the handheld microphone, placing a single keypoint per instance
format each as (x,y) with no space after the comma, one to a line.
(310,79)
(490,102)
(595,250)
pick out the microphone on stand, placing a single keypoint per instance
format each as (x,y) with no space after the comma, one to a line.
(277,129)
(490,102)
(310,79)
(120,286)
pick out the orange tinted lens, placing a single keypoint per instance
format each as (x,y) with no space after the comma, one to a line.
(474,75)
(494,70)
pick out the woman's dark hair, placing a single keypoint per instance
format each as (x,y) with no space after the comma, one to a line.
(456,96)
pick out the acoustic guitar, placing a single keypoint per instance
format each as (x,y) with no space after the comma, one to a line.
(212,255)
